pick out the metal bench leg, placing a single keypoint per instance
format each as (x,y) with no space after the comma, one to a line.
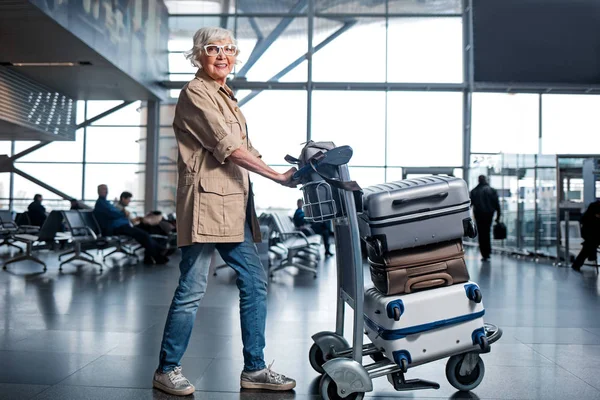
(9,243)
(87,254)
(218,267)
(27,256)
(65,254)
(81,258)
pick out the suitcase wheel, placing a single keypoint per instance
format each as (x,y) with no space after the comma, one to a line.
(477,297)
(404,365)
(402,358)
(479,337)
(395,309)
(469,228)
(465,371)
(484,343)
(474,293)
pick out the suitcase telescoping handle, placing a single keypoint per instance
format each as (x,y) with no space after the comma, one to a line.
(437,196)
(428,281)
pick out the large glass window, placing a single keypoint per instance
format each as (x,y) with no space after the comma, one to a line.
(4,189)
(116,144)
(356,55)
(24,190)
(71,151)
(424,129)
(268,194)
(423,50)
(64,177)
(367,176)
(119,178)
(272,59)
(505,123)
(128,115)
(571,124)
(277,123)
(111,150)
(352,118)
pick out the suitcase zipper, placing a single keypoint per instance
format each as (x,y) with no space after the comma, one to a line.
(399,215)
(395,334)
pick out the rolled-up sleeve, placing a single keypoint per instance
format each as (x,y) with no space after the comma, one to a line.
(205,121)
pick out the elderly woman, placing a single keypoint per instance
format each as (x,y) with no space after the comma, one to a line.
(215,210)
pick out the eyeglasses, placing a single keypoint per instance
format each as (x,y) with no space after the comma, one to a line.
(213,50)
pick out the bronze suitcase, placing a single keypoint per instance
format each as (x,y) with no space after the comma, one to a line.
(419,268)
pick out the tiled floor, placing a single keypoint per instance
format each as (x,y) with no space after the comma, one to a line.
(80,334)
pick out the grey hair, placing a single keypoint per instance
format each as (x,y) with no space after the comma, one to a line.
(204,36)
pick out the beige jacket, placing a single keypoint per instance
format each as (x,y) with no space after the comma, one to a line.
(214,199)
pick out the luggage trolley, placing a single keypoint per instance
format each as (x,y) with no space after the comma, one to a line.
(344,374)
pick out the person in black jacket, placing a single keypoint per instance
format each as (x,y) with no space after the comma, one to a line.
(36,211)
(590,232)
(484,200)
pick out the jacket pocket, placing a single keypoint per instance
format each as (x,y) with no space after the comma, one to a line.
(235,128)
(222,210)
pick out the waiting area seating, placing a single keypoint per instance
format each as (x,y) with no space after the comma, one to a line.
(291,247)
(78,228)
(47,235)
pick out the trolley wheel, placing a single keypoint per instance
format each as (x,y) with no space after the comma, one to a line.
(468,382)
(492,332)
(477,296)
(317,358)
(404,365)
(328,390)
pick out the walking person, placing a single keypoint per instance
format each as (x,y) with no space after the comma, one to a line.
(590,232)
(215,210)
(484,200)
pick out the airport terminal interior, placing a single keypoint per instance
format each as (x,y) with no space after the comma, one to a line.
(447,108)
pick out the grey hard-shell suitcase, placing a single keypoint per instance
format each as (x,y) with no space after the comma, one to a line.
(416,212)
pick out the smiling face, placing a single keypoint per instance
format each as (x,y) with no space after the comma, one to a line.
(220,66)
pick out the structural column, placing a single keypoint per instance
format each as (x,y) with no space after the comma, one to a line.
(468,79)
(151,177)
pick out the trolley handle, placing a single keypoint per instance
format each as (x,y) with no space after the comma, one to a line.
(336,156)
(437,196)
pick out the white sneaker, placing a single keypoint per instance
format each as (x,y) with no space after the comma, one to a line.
(173,382)
(266,379)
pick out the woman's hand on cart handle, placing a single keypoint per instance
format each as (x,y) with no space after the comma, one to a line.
(286,179)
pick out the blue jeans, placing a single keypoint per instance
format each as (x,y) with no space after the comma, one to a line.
(252,283)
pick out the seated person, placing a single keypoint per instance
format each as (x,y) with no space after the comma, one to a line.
(155,224)
(122,205)
(320,228)
(36,211)
(75,205)
(113,221)
(590,232)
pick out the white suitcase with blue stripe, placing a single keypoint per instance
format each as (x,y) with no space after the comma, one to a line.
(417,328)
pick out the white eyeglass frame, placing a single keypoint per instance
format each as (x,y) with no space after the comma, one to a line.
(221,49)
